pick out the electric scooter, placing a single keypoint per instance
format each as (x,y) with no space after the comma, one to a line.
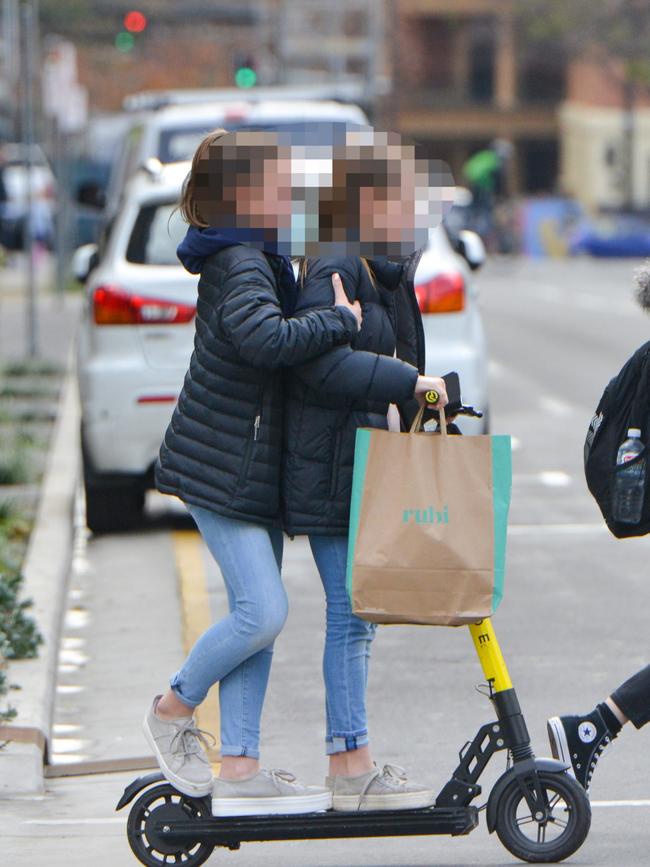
(538,811)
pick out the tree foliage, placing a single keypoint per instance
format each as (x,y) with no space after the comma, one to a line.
(616,28)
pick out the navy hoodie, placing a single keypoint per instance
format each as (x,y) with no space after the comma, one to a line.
(198,244)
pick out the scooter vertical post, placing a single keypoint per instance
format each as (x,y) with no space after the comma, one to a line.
(502,692)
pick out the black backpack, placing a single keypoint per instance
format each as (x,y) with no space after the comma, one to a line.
(625,403)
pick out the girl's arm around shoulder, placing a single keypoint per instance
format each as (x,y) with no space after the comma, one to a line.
(317,292)
(252,318)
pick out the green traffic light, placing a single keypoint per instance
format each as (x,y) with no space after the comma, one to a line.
(124,41)
(245,77)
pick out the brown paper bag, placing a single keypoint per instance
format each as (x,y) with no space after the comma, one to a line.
(428,526)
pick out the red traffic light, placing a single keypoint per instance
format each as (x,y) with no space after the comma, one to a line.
(135,21)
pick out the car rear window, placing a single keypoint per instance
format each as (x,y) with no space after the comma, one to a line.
(157,231)
(179,144)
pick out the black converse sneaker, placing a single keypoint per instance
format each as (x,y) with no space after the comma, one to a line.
(579,741)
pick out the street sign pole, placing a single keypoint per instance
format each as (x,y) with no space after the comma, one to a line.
(27,125)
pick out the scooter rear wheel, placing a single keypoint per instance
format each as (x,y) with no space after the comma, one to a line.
(550,840)
(164,803)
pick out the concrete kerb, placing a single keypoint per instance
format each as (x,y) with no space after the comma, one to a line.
(45,570)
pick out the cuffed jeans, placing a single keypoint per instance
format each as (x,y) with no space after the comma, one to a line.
(238,650)
(347,651)
(633,697)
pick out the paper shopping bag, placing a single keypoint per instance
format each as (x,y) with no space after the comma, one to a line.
(428,525)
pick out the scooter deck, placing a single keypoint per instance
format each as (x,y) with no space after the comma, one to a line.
(232,830)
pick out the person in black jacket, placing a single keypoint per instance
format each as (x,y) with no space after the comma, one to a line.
(326,400)
(221,455)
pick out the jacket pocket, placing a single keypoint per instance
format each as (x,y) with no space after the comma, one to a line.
(336,458)
(253,437)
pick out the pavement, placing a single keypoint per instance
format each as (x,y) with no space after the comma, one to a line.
(571,624)
(56,315)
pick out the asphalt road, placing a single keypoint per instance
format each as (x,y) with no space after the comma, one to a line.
(572,624)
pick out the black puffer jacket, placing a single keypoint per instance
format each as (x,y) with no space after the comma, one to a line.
(222,449)
(327,399)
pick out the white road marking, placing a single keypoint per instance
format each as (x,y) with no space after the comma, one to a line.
(554,406)
(559,529)
(549,478)
(623,306)
(109,820)
(496,368)
(621,803)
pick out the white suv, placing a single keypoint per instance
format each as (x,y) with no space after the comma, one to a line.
(137,335)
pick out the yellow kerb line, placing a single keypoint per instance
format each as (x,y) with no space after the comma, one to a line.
(490,656)
(195,608)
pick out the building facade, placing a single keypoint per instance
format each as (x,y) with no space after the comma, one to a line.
(462,75)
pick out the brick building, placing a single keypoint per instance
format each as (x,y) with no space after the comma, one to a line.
(462,75)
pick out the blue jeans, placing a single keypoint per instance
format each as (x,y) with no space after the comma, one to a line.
(238,650)
(347,650)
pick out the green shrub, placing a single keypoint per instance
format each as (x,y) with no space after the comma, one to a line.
(13,467)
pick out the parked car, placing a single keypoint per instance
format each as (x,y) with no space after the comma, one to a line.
(453,325)
(172,133)
(136,338)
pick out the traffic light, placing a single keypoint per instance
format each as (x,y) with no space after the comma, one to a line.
(134,22)
(244,71)
(124,41)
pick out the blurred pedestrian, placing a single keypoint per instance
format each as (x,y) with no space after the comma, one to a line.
(485,173)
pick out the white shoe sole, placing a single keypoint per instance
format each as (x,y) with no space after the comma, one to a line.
(559,743)
(283,805)
(398,801)
(193,790)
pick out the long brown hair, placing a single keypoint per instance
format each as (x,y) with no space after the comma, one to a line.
(188,204)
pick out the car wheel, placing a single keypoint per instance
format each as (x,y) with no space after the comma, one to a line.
(113,502)
(112,508)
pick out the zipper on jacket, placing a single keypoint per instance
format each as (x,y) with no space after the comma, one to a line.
(256,425)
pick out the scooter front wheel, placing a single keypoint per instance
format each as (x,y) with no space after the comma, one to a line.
(552,834)
(164,803)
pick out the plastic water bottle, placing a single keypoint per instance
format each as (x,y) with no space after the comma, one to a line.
(629,486)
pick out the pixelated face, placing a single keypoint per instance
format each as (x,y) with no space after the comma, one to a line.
(368,195)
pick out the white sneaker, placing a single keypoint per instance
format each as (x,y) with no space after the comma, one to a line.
(267,793)
(178,746)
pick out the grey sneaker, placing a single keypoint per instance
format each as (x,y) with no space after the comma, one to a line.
(388,789)
(267,793)
(178,745)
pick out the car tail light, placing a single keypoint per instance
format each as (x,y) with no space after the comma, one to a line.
(113,306)
(444,293)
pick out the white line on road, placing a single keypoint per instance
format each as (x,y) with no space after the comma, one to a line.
(550,478)
(556,407)
(118,820)
(552,529)
(620,803)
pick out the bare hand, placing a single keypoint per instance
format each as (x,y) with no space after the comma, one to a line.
(431,383)
(341,300)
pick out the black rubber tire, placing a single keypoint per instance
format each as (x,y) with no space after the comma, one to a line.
(189,808)
(113,508)
(569,840)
